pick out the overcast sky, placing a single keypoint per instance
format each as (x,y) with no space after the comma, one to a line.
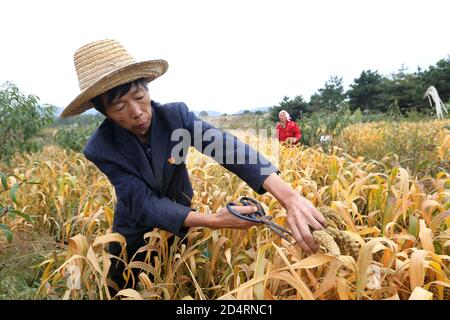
(222,55)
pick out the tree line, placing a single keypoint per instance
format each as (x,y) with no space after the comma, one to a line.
(374,93)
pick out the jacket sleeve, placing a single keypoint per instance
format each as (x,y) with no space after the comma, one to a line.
(297,133)
(234,155)
(142,205)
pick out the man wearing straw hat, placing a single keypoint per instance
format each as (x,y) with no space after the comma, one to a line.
(133,148)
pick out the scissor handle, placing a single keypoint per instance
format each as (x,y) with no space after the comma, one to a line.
(248,217)
(247,201)
(259,217)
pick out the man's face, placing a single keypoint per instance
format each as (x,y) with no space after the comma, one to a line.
(132,111)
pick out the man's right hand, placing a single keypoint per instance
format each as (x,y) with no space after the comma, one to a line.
(225,219)
(221,219)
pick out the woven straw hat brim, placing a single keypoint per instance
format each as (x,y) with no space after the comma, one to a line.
(150,70)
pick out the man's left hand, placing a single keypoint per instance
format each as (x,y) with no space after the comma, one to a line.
(301,213)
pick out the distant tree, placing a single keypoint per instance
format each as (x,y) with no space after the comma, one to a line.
(203,114)
(314,103)
(82,119)
(246,112)
(224,114)
(409,88)
(406,90)
(259,113)
(332,94)
(439,77)
(366,92)
(75,135)
(296,107)
(400,90)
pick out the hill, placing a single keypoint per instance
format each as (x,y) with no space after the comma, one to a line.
(211,113)
(262,109)
(59,110)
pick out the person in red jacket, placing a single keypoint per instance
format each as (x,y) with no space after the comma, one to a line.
(287,130)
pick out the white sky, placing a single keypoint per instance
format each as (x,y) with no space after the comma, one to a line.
(223,55)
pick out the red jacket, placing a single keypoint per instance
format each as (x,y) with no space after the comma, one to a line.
(290,129)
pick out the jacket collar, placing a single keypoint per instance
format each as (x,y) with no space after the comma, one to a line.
(160,144)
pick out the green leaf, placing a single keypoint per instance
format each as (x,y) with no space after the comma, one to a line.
(11,213)
(6,232)
(388,212)
(413,225)
(437,247)
(423,165)
(4,181)
(13,191)
(23,215)
(32,182)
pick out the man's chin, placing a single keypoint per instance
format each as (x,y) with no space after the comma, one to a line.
(140,132)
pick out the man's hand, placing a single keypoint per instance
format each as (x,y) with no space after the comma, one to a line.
(225,219)
(291,140)
(301,214)
(221,219)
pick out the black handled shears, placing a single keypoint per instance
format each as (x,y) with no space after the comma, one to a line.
(259,217)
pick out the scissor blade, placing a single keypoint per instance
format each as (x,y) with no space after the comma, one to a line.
(274,225)
(279,230)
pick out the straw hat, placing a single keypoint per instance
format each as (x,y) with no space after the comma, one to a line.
(103,65)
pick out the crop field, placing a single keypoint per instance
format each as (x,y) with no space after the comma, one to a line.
(384,189)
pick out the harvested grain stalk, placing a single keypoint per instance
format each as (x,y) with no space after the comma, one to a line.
(326,242)
(341,240)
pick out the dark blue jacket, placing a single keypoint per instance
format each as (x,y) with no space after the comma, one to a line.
(158,195)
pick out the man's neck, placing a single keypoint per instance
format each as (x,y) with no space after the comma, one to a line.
(144,138)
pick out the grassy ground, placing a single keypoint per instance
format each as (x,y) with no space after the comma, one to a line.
(243,121)
(18,261)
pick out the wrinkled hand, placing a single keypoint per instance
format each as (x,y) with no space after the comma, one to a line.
(225,219)
(301,215)
(291,140)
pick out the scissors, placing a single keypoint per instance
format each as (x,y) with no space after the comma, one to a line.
(259,217)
